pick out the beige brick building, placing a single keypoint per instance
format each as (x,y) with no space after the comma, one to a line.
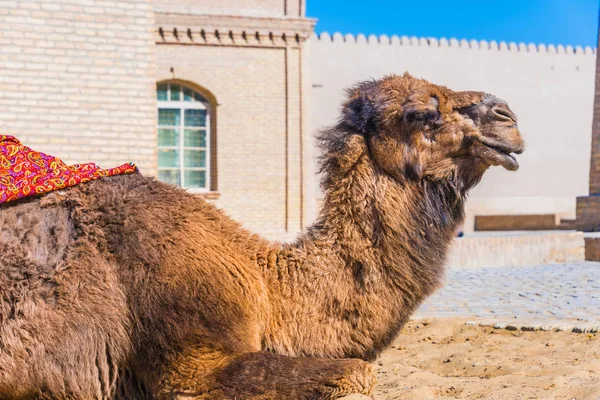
(84,79)
(248,57)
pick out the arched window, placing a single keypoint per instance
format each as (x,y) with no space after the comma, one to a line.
(184,137)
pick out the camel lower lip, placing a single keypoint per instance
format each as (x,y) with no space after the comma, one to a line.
(507,160)
(511,163)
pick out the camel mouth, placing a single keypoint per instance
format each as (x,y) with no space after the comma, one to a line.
(499,153)
(507,160)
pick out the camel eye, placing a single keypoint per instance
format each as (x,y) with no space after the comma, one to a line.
(421,119)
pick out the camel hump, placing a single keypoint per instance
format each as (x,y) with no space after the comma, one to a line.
(33,235)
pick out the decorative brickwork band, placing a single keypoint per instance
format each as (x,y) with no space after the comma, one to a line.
(219,30)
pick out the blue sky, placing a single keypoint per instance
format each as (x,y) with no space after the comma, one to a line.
(573,22)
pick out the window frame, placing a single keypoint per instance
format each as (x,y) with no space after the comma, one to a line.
(209,148)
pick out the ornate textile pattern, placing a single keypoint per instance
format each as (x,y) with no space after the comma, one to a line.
(25,172)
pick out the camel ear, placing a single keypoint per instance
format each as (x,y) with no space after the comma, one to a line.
(360,110)
(422,110)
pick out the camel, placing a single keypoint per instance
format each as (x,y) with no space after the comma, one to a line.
(128,288)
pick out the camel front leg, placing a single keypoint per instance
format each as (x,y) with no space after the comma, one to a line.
(264,375)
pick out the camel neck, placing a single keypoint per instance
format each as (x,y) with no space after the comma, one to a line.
(389,225)
(374,254)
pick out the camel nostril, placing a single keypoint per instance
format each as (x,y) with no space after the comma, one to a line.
(503,114)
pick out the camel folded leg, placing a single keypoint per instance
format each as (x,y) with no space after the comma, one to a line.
(263,375)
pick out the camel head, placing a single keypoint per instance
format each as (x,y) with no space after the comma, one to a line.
(415,130)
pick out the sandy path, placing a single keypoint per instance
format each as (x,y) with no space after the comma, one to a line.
(445,359)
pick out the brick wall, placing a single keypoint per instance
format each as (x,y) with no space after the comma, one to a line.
(252,8)
(77,79)
(537,81)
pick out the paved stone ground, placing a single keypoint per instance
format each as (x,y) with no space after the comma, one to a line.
(559,297)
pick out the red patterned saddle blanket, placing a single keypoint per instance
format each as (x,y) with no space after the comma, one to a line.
(25,172)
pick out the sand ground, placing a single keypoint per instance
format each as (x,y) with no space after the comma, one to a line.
(446,359)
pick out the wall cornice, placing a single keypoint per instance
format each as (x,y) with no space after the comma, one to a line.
(225,30)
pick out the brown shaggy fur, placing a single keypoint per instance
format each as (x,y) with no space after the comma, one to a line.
(128,288)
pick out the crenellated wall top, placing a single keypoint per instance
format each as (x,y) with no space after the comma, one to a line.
(452,43)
